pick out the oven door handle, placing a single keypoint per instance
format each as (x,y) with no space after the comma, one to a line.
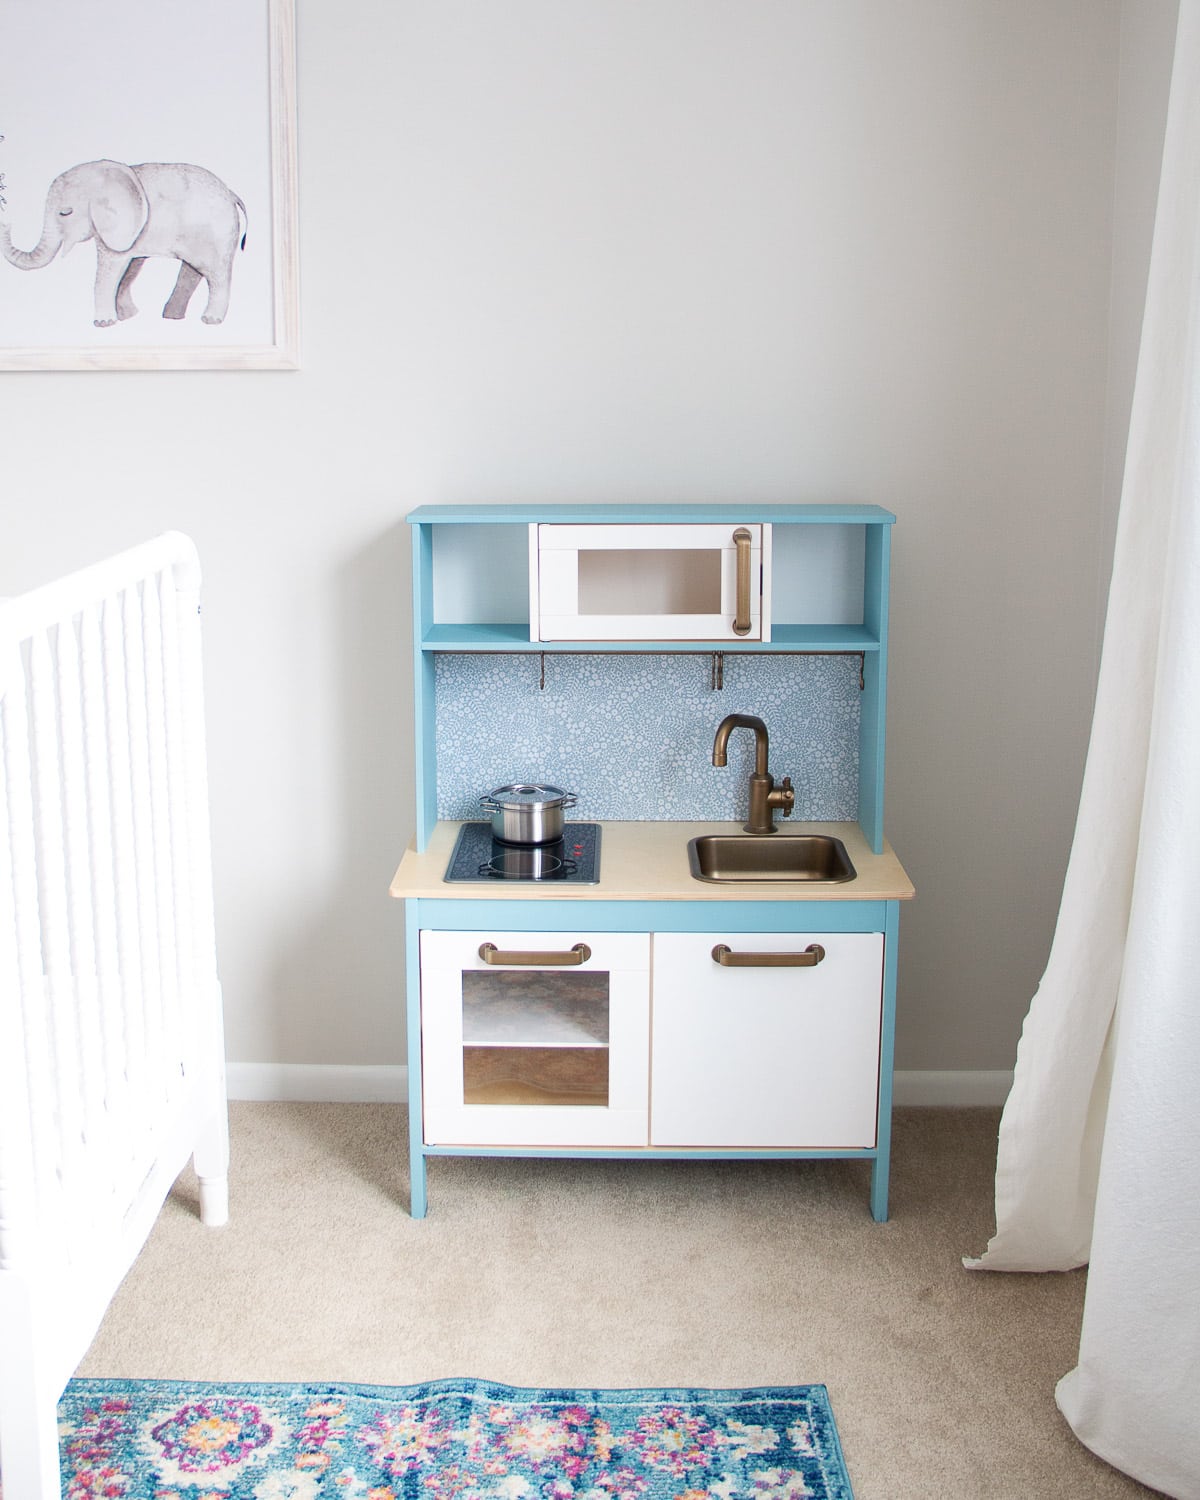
(519,958)
(809,959)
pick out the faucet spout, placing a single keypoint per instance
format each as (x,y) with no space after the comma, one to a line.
(765,796)
(741,721)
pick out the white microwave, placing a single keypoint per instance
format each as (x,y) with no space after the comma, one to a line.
(671,582)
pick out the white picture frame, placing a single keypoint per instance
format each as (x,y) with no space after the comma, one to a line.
(203,98)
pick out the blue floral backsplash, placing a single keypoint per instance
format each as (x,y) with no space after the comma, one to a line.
(632,735)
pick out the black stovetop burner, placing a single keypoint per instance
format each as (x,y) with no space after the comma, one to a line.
(573,859)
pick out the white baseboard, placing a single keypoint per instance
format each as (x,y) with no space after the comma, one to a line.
(961,1089)
(346,1083)
(319,1083)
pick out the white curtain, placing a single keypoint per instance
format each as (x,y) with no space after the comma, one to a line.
(1099,1153)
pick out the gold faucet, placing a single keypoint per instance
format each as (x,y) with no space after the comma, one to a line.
(765,796)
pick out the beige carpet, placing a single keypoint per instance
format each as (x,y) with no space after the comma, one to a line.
(630,1274)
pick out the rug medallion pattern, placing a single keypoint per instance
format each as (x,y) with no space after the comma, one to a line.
(445,1440)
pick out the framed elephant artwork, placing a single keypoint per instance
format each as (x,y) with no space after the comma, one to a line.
(148,185)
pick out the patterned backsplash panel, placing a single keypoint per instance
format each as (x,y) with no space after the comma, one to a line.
(632,735)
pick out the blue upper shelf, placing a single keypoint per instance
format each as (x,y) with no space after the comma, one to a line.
(515,637)
(449,515)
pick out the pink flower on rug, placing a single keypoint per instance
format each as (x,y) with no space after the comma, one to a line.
(324,1427)
(402,1442)
(672,1441)
(570,1439)
(204,1437)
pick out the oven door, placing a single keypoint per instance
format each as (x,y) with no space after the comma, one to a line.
(535,1039)
(697,582)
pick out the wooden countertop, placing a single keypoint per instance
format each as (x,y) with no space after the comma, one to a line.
(649,862)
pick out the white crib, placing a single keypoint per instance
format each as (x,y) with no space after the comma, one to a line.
(111,1053)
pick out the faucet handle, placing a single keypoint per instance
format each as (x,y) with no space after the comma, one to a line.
(788,799)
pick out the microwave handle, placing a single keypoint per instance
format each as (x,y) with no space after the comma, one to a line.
(741,620)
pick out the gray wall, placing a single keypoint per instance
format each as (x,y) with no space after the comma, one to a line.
(646,250)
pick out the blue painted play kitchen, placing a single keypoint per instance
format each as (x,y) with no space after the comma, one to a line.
(701,960)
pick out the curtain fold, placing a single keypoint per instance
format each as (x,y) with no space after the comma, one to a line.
(1099,1150)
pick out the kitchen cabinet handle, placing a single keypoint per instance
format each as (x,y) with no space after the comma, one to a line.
(809,959)
(741,621)
(490,954)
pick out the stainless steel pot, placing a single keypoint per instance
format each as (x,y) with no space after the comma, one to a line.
(525,814)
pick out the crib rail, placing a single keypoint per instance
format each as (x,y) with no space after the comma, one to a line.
(107,956)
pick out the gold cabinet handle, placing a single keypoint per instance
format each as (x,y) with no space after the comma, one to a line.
(490,954)
(809,959)
(741,622)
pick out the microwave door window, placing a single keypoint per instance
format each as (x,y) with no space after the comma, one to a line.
(674,582)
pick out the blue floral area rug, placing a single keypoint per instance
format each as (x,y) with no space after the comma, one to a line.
(446,1440)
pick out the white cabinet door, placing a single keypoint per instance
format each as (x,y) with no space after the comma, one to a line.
(770,1056)
(534,1038)
(701,582)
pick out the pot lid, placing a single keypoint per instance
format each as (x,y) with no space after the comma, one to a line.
(525,794)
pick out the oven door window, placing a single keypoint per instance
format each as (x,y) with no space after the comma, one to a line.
(535,1038)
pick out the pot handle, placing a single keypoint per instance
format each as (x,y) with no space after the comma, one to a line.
(568,799)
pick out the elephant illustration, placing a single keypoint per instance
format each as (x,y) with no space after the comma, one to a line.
(134,212)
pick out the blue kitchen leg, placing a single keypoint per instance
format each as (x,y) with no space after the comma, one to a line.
(416,1180)
(416,1142)
(881,1168)
(879,1188)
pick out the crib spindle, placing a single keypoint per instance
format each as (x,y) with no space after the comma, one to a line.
(143,852)
(107,1129)
(18,1206)
(178,837)
(166,980)
(65,1079)
(73,665)
(128,1018)
(33,1009)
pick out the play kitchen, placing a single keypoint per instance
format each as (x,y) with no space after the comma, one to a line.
(705,963)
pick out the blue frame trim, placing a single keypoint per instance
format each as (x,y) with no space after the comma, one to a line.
(452,915)
(661,1153)
(424,711)
(617,514)
(512,639)
(873,723)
